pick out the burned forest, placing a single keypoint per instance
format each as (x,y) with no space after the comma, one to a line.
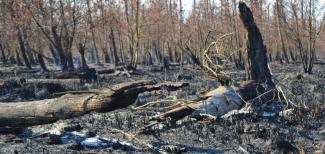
(162,76)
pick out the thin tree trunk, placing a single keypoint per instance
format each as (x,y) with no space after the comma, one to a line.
(92,26)
(3,56)
(70,61)
(116,58)
(292,55)
(59,48)
(284,51)
(82,56)
(42,63)
(54,55)
(23,49)
(18,60)
(107,57)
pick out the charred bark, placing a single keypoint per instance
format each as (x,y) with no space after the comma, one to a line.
(22,114)
(116,58)
(42,63)
(54,54)
(59,48)
(292,55)
(18,60)
(256,50)
(3,55)
(107,58)
(82,56)
(23,49)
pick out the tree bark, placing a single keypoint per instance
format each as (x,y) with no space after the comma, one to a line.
(24,114)
(3,55)
(23,49)
(18,60)
(116,58)
(82,56)
(280,34)
(256,50)
(42,63)
(54,54)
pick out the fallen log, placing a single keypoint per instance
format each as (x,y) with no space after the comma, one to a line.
(28,71)
(54,81)
(86,75)
(216,102)
(22,114)
(106,71)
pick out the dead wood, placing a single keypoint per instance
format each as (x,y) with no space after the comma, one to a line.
(216,102)
(54,81)
(106,71)
(256,62)
(22,114)
(175,114)
(84,75)
(21,71)
(227,98)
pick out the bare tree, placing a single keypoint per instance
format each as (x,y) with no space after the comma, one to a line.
(92,30)
(60,32)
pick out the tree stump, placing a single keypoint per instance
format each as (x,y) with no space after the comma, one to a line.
(257,68)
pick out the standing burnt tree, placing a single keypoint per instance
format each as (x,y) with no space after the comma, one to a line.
(256,62)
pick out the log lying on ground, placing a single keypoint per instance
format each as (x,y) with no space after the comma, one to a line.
(22,114)
(217,103)
(54,81)
(106,71)
(115,70)
(29,71)
(84,75)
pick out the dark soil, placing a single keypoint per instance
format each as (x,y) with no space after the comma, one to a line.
(248,134)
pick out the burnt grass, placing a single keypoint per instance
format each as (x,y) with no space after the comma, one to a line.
(242,134)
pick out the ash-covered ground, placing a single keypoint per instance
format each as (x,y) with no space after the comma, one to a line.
(127,130)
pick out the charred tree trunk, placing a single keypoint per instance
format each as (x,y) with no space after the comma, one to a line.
(30,55)
(23,49)
(150,59)
(258,68)
(107,58)
(92,56)
(292,55)
(59,48)
(18,60)
(270,57)
(280,34)
(70,61)
(42,63)
(116,58)
(82,56)
(12,58)
(278,56)
(3,56)
(54,55)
